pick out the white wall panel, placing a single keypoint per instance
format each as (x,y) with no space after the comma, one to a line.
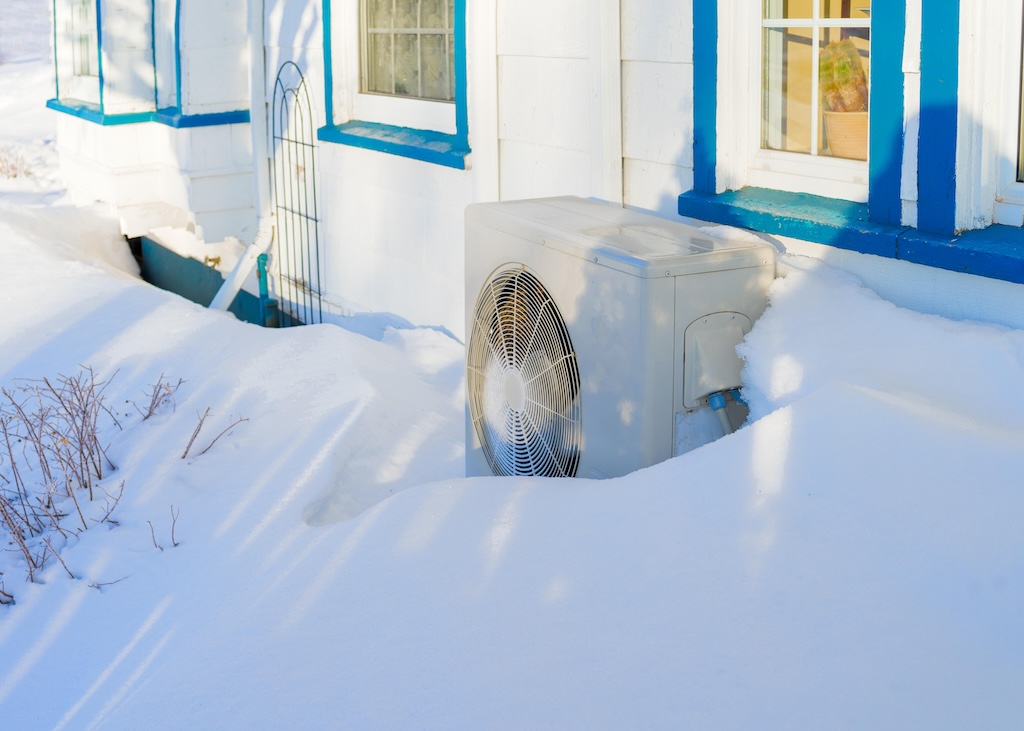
(654,186)
(535,171)
(657,30)
(544,101)
(544,28)
(657,112)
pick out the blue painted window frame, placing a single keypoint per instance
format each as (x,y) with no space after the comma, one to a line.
(439,148)
(873,227)
(169,116)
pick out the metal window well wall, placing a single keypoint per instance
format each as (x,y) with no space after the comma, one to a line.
(297,261)
(591,327)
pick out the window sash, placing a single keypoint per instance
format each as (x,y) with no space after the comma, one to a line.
(84,41)
(772,91)
(402,55)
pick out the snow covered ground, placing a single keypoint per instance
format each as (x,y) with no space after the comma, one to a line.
(851,559)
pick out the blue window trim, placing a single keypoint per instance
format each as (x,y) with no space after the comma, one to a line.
(169,116)
(99,46)
(450,150)
(996,252)
(936,172)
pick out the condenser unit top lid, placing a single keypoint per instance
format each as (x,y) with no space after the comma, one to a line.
(628,240)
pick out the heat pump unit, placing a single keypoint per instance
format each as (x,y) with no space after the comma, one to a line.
(590,327)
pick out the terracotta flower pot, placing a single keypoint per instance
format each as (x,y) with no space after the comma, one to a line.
(847,134)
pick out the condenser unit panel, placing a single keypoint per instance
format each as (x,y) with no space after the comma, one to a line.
(574,331)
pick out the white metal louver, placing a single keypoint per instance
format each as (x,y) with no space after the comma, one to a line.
(523,381)
(591,327)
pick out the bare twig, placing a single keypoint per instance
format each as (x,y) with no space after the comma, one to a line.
(100,585)
(230,426)
(58,556)
(153,533)
(195,434)
(14,529)
(174,522)
(110,507)
(160,393)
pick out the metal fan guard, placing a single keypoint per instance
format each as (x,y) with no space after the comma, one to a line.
(523,379)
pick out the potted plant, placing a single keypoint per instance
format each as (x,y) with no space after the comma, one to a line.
(844,97)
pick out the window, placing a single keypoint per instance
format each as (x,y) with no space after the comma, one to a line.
(408,48)
(395,78)
(815,63)
(84,46)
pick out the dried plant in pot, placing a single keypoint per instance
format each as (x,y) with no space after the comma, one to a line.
(844,96)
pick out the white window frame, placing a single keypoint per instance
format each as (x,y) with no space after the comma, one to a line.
(989,55)
(742,162)
(352,104)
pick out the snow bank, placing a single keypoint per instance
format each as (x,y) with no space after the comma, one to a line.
(851,559)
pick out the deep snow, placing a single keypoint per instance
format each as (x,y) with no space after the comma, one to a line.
(851,559)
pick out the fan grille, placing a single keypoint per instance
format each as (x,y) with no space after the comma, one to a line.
(523,380)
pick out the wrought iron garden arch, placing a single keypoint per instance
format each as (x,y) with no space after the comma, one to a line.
(298,263)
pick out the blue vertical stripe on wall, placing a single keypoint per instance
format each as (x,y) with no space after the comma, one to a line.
(705,94)
(936,163)
(152,43)
(461,106)
(328,64)
(885,157)
(177,56)
(99,47)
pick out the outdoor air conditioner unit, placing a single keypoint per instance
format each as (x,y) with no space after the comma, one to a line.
(590,327)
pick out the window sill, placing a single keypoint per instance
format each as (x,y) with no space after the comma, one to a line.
(170,117)
(996,252)
(433,147)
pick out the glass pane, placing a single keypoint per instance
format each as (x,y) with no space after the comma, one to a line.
(378,73)
(378,13)
(856,9)
(843,81)
(407,77)
(432,14)
(407,14)
(787,9)
(786,84)
(434,66)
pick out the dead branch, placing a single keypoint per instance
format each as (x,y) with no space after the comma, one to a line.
(195,434)
(153,533)
(174,522)
(160,393)
(100,584)
(230,426)
(58,556)
(110,507)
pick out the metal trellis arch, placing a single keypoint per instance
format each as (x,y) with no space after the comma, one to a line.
(298,264)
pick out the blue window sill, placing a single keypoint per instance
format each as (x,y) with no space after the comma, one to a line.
(433,147)
(172,117)
(996,252)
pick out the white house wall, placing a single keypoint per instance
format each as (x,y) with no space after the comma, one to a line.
(214,56)
(200,175)
(657,103)
(559,99)
(392,227)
